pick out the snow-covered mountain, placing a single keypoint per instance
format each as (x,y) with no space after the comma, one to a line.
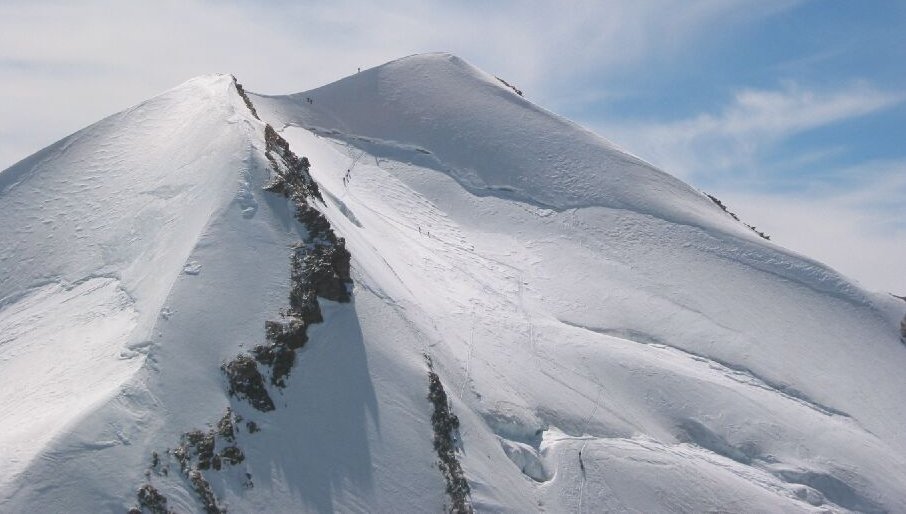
(412,290)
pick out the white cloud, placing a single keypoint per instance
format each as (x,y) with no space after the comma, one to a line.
(859,230)
(736,139)
(64,65)
(853,219)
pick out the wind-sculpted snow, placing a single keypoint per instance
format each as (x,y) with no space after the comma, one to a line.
(49,340)
(489,138)
(701,336)
(439,112)
(320,269)
(95,230)
(608,338)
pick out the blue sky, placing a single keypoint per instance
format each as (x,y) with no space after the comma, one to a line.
(846,56)
(792,111)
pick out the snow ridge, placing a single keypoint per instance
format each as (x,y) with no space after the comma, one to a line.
(319,269)
(601,336)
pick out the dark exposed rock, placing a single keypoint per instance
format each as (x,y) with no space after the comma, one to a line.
(290,332)
(277,185)
(232,455)
(151,500)
(226,427)
(292,177)
(323,268)
(317,225)
(722,206)
(197,452)
(446,426)
(507,84)
(181,454)
(279,352)
(202,445)
(760,233)
(246,382)
(735,217)
(319,267)
(245,98)
(279,357)
(304,304)
(205,493)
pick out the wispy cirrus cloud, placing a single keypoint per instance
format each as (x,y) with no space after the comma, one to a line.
(64,65)
(852,217)
(69,64)
(743,133)
(856,224)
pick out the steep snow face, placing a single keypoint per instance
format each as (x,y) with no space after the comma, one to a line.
(95,229)
(576,299)
(87,410)
(446,115)
(607,337)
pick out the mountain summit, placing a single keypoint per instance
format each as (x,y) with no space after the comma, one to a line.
(412,290)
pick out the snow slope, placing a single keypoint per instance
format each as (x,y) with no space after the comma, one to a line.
(609,338)
(96,228)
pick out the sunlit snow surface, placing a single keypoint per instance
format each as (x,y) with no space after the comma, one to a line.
(611,339)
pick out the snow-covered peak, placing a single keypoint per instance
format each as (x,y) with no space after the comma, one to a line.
(449,116)
(491,139)
(218,84)
(154,161)
(561,326)
(95,230)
